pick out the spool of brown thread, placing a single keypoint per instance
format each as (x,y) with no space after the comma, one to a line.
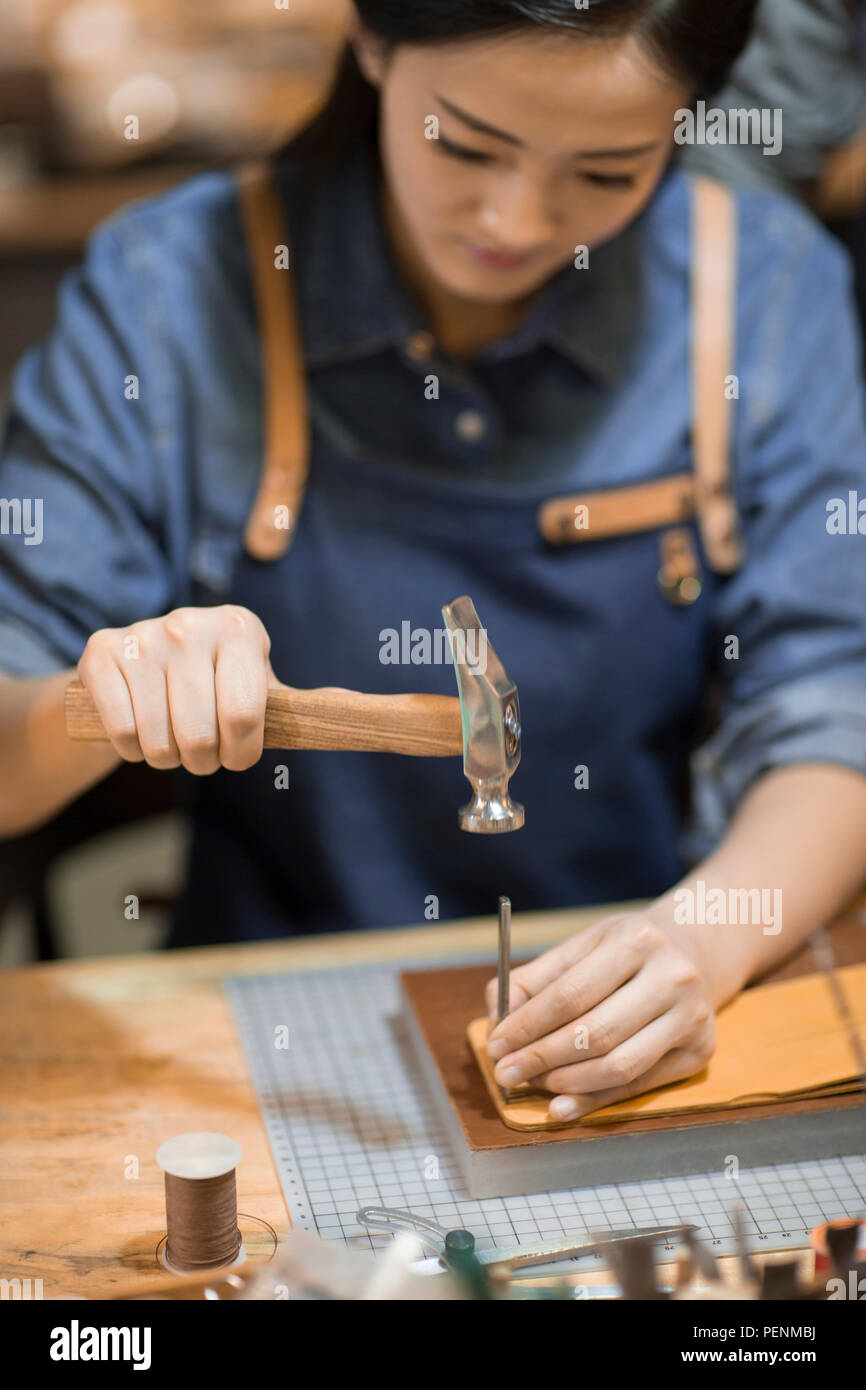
(201,1209)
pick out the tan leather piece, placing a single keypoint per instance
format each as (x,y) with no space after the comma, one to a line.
(284,385)
(781,1041)
(713,325)
(594,516)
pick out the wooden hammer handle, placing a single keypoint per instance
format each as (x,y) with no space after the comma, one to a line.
(425,726)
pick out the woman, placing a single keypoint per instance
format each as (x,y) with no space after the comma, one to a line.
(491,256)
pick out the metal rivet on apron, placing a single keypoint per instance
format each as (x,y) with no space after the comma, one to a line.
(679,576)
(420,346)
(470,426)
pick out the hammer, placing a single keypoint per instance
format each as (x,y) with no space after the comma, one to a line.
(483,723)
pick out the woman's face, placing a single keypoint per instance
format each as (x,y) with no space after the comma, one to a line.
(544,143)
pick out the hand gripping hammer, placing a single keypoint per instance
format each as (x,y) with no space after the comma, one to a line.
(483,723)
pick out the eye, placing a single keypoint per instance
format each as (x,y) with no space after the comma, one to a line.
(611,180)
(462,152)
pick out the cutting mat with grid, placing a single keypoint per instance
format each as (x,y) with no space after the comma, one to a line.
(350,1125)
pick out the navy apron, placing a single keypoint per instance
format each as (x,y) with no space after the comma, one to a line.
(612,680)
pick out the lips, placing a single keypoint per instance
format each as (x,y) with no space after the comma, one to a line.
(498,260)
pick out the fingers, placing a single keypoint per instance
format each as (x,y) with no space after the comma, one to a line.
(189,688)
(630,1061)
(518,994)
(530,979)
(241,683)
(676,1065)
(98,671)
(629,1010)
(598,1033)
(614,956)
(147,691)
(192,709)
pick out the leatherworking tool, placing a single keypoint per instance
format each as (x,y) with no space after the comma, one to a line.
(455,1248)
(504,956)
(483,722)
(437,1238)
(504,967)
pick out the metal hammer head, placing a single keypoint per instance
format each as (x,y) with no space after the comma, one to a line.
(491,723)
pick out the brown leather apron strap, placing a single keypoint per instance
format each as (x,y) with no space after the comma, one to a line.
(707,493)
(273,520)
(596,516)
(714,302)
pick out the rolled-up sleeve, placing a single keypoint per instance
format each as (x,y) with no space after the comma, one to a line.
(790,626)
(84,509)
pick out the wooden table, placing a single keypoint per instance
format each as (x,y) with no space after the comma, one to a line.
(101,1060)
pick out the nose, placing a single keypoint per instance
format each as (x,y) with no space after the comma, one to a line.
(518,211)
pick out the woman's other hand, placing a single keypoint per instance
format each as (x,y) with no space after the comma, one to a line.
(615,1010)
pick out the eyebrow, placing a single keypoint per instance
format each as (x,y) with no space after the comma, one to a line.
(484,129)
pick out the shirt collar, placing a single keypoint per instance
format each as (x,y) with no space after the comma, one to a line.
(588,315)
(353,303)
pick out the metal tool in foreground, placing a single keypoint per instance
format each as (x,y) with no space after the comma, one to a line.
(504,957)
(504,967)
(438,1239)
(483,723)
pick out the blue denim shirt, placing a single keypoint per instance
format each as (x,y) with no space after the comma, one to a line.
(137,423)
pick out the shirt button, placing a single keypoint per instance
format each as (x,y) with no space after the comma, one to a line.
(470,426)
(420,346)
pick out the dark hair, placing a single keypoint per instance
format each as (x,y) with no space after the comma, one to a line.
(695,40)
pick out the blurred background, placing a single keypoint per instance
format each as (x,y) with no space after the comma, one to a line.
(209,81)
(209,84)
